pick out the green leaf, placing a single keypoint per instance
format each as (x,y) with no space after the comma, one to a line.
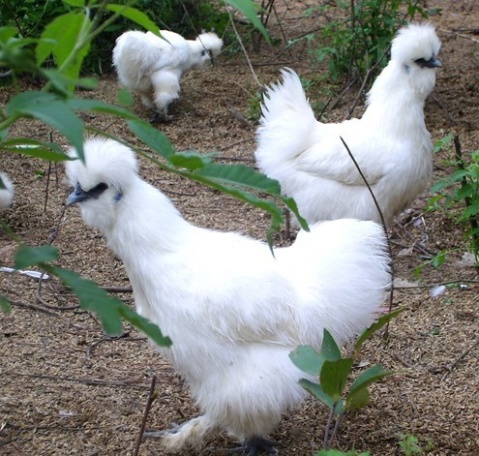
(4,304)
(152,137)
(250,10)
(29,256)
(134,15)
(383,320)
(293,207)
(317,391)
(357,400)
(307,359)
(369,376)
(6,33)
(109,309)
(34,148)
(244,176)
(77,3)
(438,260)
(53,111)
(190,160)
(334,376)
(329,348)
(61,38)
(86,104)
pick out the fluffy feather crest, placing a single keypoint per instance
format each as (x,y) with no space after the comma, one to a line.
(106,161)
(415,41)
(211,42)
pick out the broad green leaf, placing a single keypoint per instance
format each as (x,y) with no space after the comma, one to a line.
(192,161)
(6,33)
(134,15)
(34,148)
(334,376)
(152,137)
(293,207)
(317,391)
(78,3)
(242,175)
(4,304)
(125,98)
(62,83)
(329,348)
(307,359)
(439,259)
(87,104)
(357,400)
(66,34)
(109,309)
(29,256)
(51,110)
(384,319)
(250,10)
(369,376)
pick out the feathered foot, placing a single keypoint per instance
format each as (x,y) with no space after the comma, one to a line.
(158,117)
(256,446)
(188,435)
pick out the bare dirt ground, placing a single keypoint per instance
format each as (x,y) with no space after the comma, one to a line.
(68,390)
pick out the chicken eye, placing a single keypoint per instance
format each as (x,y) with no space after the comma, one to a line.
(96,191)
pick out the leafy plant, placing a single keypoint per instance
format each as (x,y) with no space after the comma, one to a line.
(458,194)
(410,445)
(55,58)
(356,38)
(333,372)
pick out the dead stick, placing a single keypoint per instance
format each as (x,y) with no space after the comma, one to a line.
(460,358)
(151,398)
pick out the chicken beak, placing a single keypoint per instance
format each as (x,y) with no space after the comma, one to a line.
(77,196)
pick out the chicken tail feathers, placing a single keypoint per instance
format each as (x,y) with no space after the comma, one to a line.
(286,125)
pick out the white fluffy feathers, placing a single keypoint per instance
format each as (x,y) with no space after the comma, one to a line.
(152,66)
(233,311)
(6,193)
(390,142)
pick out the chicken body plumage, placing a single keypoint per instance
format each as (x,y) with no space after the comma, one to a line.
(152,66)
(390,142)
(233,310)
(6,193)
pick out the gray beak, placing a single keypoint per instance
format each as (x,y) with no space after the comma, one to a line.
(77,196)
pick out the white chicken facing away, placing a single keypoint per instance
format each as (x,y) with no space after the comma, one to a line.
(390,142)
(6,192)
(233,310)
(152,66)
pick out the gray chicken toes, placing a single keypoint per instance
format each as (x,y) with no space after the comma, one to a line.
(256,446)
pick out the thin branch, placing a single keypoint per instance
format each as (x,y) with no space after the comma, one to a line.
(244,50)
(460,358)
(151,398)
(383,222)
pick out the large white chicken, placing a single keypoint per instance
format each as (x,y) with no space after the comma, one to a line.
(233,310)
(390,142)
(152,66)
(6,192)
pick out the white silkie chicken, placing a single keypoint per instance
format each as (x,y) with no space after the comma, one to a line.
(152,66)
(390,142)
(6,192)
(233,310)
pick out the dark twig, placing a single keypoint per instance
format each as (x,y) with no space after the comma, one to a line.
(151,398)
(33,307)
(452,366)
(383,222)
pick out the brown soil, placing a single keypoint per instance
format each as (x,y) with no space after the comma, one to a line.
(66,389)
